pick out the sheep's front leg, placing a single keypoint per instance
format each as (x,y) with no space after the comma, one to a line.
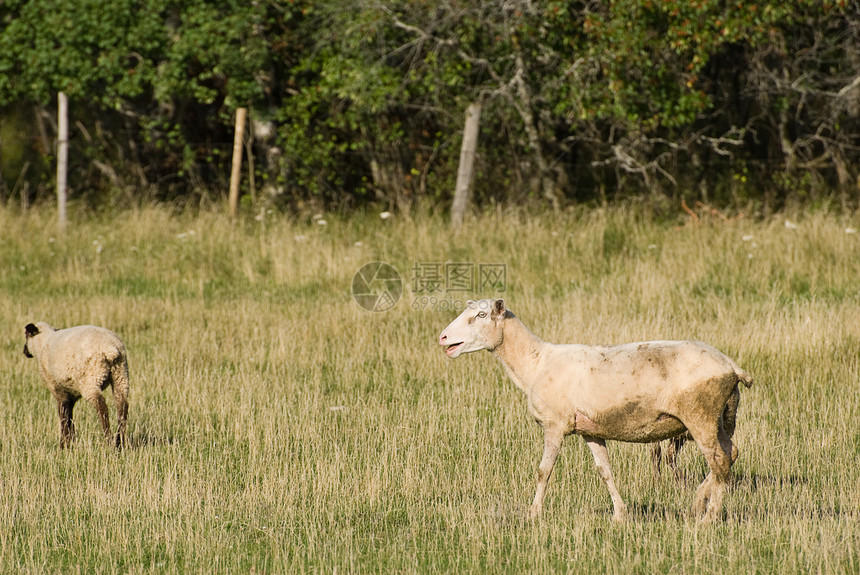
(65,407)
(601,459)
(552,444)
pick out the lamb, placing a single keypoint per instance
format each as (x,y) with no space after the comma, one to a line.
(638,392)
(77,362)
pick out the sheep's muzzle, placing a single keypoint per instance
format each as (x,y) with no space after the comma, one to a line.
(453,347)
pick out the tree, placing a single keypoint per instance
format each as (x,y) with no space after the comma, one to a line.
(582,100)
(154,84)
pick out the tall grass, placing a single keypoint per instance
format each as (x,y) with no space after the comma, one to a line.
(278,427)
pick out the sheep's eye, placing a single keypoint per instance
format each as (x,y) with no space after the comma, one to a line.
(482,314)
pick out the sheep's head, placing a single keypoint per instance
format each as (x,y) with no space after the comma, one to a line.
(32,330)
(29,331)
(478,327)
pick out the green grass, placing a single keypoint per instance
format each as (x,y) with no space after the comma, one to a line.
(278,427)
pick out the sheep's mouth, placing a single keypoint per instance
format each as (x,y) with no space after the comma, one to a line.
(453,347)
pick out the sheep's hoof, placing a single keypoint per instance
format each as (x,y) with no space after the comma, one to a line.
(620,515)
(709,512)
(710,516)
(702,501)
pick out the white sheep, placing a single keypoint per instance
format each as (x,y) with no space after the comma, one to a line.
(638,392)
(77,362)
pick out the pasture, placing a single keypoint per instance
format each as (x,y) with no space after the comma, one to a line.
(276,426)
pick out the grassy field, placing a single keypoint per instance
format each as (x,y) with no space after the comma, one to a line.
(276,426)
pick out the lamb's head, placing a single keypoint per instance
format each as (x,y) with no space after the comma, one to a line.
(32,331)
(480,326)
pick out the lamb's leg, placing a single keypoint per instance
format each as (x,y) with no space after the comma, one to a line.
(98,402)
(601,459)
(120,396)
(65,407)
(552,444)
(122,418)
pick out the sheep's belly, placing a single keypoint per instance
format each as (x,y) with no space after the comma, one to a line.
(67,386)
(624,426)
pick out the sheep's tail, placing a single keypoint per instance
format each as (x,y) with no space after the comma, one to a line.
(743,377)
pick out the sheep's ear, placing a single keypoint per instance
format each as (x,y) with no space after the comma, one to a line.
(498,309)
(30,330)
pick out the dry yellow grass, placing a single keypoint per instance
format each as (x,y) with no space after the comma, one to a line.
(278,427)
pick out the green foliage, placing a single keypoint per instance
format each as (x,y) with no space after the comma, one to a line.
(101,50)
(216,51)
(666,95)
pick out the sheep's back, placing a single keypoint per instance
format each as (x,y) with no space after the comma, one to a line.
(71,355)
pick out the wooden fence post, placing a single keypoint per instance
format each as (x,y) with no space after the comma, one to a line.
(236,172)
(62,155)
(463,188)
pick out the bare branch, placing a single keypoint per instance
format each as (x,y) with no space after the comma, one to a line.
(841,93)
(398,23)
(734,137)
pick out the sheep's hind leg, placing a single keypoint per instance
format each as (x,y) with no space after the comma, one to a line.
(100,405)
(601,459)
(656,460)
(122,418)
(552,445)
(675,445)
(717,449)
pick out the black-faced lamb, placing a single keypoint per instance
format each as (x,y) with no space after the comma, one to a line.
(77,362)
(637,392)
